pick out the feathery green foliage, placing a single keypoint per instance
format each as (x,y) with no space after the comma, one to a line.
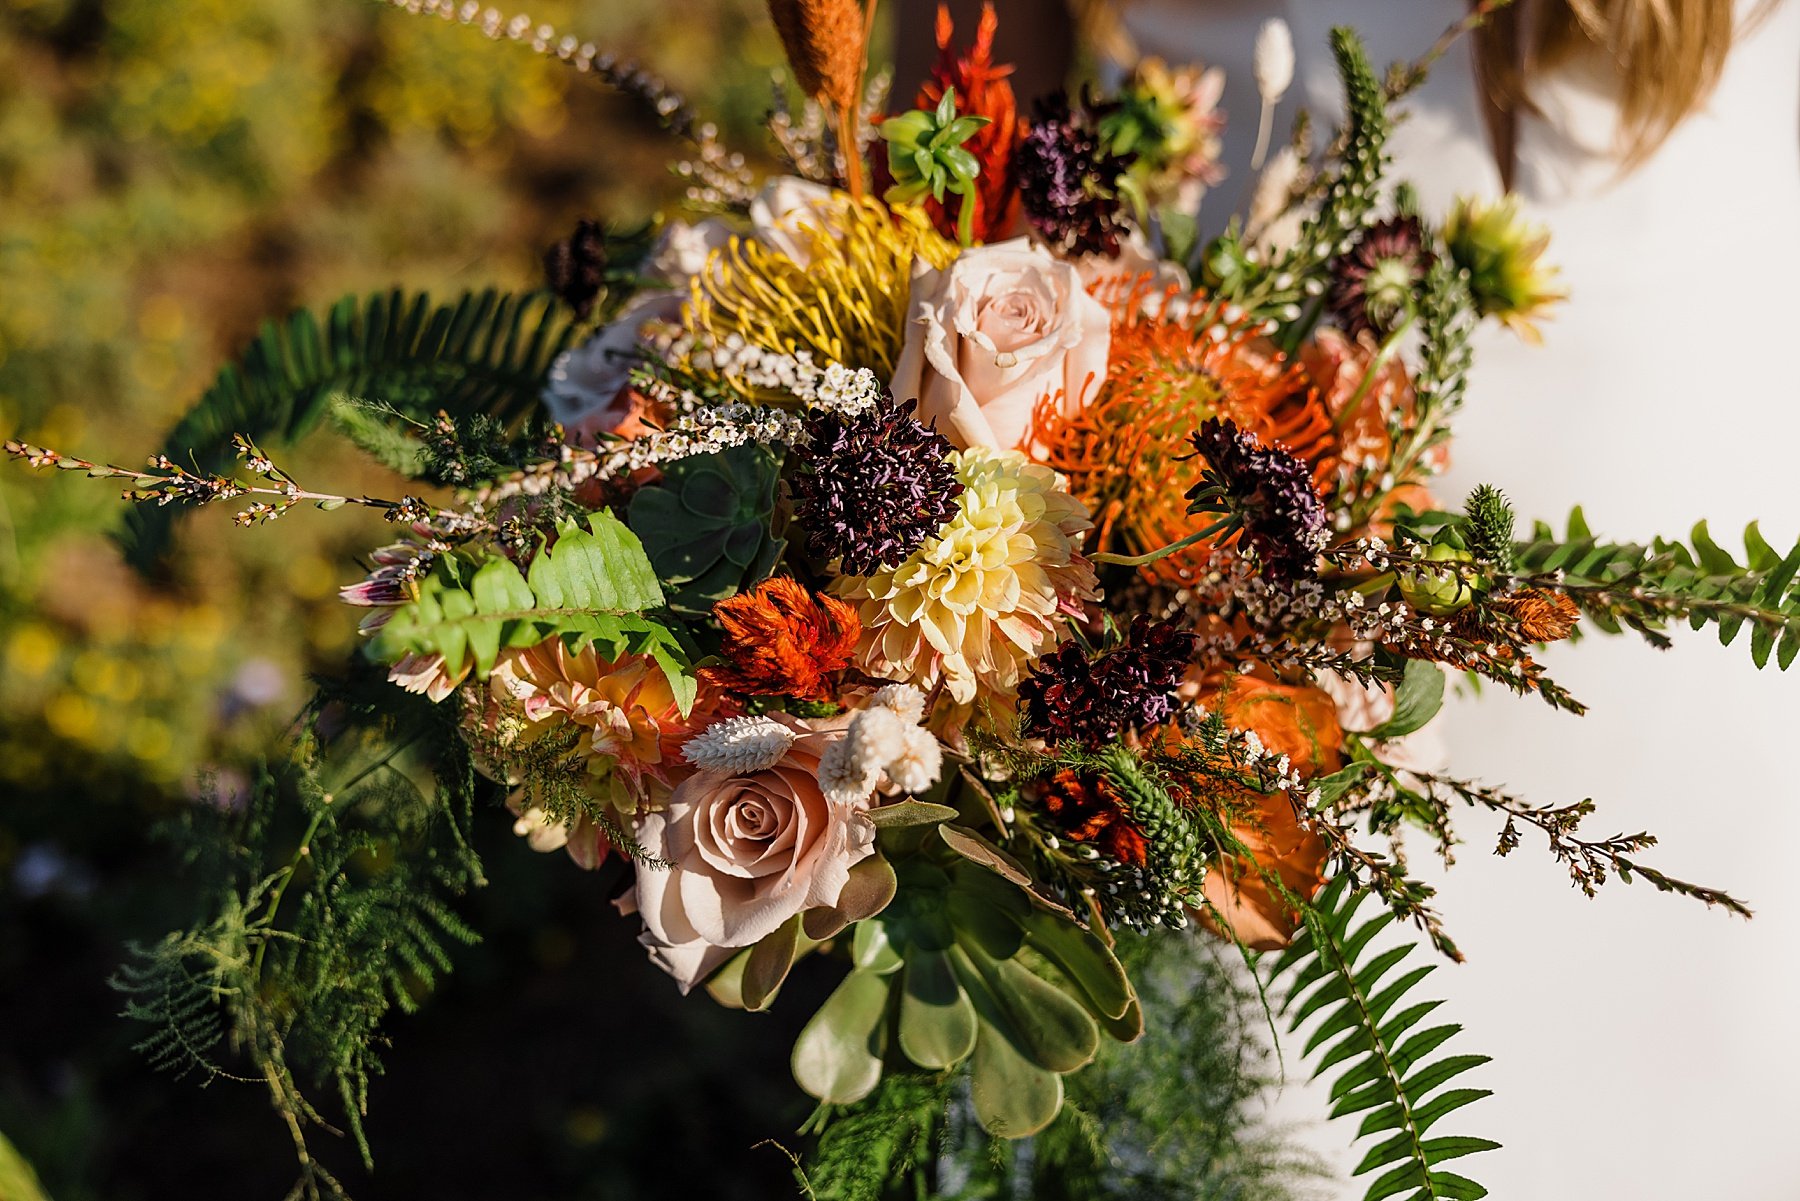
(1644,588)
(592,586)
(1386,1073)
(869,1148)
(486,352)
(338,872)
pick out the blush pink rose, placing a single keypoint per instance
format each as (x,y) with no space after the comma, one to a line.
(990,335)
(745,853)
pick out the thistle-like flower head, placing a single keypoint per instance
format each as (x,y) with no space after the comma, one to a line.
(1069,182)
(1374,286)
(1071,695)
(1266,496)
(575,268)
(1503,255)
(872,486)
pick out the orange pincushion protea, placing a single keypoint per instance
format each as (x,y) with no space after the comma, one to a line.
(1175,361)
(982,90)
(781,640)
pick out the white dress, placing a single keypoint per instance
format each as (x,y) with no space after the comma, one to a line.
(1646,1049)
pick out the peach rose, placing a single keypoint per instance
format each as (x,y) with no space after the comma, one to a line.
(991,334)
(746,853)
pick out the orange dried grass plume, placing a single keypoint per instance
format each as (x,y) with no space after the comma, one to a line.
(982,90)
(1176,359)
(827,43)
(781,640)
(824,44)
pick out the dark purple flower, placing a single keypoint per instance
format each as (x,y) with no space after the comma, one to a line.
(1265,493)
(1372,287)
(873,486)
(1068,181)
(575,268)
(1093,700)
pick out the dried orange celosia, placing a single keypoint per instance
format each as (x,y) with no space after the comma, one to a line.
(1175,361)
(1088,808)
(781,640)
(1540,615)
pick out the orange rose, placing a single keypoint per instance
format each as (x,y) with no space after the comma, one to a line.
(1299,721)
(1243,902)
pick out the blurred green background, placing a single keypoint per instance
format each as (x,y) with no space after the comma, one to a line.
(171,173)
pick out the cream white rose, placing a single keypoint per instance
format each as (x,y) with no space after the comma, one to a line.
(988,336)
(746,853)
(587,391)
(784,210)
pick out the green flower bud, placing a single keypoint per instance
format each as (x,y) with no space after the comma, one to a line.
(1439,593)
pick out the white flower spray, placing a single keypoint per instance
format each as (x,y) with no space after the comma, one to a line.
(883,739)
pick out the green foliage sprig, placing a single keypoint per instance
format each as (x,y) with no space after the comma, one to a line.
(485,352)
(1644,588)
(319,933)
(1370,1027)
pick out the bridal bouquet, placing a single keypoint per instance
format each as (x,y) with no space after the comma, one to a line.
(937,562)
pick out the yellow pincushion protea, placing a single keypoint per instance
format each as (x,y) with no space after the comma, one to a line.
(973,607)
(845,304)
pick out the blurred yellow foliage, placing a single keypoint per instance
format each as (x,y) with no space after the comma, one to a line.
(173,171)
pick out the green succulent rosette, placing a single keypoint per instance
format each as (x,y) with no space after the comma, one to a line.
(706,525)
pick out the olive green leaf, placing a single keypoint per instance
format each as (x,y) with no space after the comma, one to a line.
(837,1057)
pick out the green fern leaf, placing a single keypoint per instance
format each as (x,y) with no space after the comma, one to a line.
(593,586)
(486,352)
(1384,1062)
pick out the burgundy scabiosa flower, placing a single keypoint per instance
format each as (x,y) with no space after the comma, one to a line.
(575,268)
(1069,181)
(872,486)
(1373,286)
(1070,696)
(1266,497)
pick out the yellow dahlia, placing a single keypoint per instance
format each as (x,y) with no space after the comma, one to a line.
(974,606)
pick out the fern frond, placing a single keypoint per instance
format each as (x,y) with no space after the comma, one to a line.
(1645,588)
(1385,1067)
(592,586)
(485,352)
